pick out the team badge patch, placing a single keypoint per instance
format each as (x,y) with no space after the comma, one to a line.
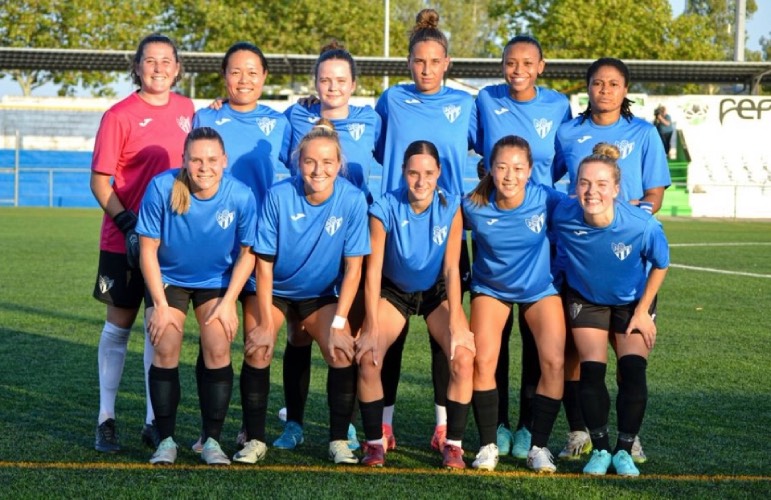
(333,224)
(105,284)
(542,126)
(313,119)
(622,251)
(451,112)
(356,130)
(575,310)
(440,234)
(184,124)
(266,125)
(225,217)
(625,148)
(535,223)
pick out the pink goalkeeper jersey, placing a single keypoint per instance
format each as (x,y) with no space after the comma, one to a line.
(135,142)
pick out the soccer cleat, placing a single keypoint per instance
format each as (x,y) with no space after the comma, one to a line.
(252,452)
(291,437)
(487,458)
(505,439)
(598,464)
(374,455)
(389,441)
(579,443)
(624,464)
(212,454)
(521,446)
(107,437)
(541,460)
(197,447)
(353,440)
(452,457)
(439,438)
(166,454)
(638,455)
(241,437)
(339,452)
(150,436)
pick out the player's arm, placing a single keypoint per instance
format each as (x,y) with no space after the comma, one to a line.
(459,328)
(340,335)
(368,340)
(160,317)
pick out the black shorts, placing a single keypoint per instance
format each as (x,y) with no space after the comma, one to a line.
(523,306)
(302,308)
(584,314)
(464,267)
(179,297)
(116,283)
(408,304)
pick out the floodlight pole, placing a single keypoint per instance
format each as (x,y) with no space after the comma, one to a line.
(741,15)
(386,37)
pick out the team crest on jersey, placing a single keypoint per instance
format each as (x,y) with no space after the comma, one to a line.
(266,125)
(105,283)
(313,119)
(440,234)
(542,126)
(575,309)
(622,251)
(184,124)
(225,217)
(356,130)
(535,223)
(451,112)
(333,224)
(625,148)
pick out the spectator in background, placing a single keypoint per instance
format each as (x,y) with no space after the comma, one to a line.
(664,126)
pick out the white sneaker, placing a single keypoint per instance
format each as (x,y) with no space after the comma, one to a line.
(252,452)
(638,455)
(579,443)
(212,454)
(339,453)
(487,458)
(540,460)
(166,454)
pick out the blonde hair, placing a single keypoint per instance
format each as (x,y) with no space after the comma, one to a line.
(427,29)
(607,154)
(323,129)
(180,191)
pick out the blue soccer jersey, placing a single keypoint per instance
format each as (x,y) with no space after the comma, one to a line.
(256,142)
(447,119)
(643,162)
(309,242)
(512,258)
(415,243)
(358,134)
(199,248)
(607,265)
(536,121)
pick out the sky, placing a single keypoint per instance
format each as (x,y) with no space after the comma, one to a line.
(758,26)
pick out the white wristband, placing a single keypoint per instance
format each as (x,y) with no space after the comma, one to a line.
(338,322)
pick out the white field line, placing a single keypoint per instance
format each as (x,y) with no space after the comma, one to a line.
(726,244)
(720,271)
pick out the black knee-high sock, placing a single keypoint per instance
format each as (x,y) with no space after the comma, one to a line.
(216,389)
(502,373)
(297,377)
(164,396)
(199,367)
(440,372)
(372,419)
(485,405)
(531,372)
(255,388)
(341,393)
(571,399)
(632,399)
(545,411)
(595,402)
(457,416)
(392,367)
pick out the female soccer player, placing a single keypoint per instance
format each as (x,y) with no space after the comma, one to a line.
(425,110)
(415,234)
(139,137)
(257,141)
(608,246)
(309,225)
(509,218)
(196,229)
(534,113)
(608,118)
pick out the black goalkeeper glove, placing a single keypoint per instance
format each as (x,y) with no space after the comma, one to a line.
(126,222)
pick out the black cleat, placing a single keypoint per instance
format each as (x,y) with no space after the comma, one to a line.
(107,437)
(150,436)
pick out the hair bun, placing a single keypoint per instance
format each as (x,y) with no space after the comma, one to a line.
(606,149)
(426,19)
(333,44)
(324,123)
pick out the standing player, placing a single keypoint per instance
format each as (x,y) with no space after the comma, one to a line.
(413,269)
(534,113)
(645,176)
(509,218)
(196,229)
(609,247)
(256,141)
(139,137)
(309,225)
(425,110)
